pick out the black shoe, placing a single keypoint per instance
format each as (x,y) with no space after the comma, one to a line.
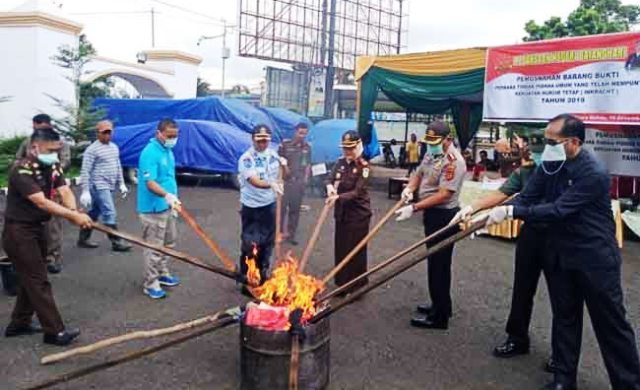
(425,308)
(511,348)
(244,290)
(429,322)
(54,268)
(550,366)
(559,386)
(63,338)
(83,239)
(120,246)
(25,330)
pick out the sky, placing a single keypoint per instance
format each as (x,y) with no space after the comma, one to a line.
(121,28)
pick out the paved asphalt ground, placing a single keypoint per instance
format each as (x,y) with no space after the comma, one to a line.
(372,345)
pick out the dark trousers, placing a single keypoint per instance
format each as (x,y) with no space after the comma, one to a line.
(26,246)
(439,264)
(347,235)
(291,202)
(531,250)
(412,167)
(601,291)
(259,229)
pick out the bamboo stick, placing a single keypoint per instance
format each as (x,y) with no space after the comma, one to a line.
(315,235)
(278,243)
(294,364)
(213,246)
(363,242)
(167,251)
(144,334)
(221,323)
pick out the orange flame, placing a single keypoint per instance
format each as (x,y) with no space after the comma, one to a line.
(287,287)
(253,272)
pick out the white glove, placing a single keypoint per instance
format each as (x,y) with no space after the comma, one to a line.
(173,201)
(407,194)
(85,199)
(404,213)
(283,162)
(331,190)
(124,190)
(277,187)
(499,214)
(462,215)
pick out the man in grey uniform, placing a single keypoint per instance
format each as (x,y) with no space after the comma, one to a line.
(439,181)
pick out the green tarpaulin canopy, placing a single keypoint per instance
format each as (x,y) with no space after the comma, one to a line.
(428,83)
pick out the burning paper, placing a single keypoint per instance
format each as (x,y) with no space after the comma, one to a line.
(286,287)
(267,317)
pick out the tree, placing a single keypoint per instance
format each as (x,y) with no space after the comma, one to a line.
(240,89)
(203,89)
(81,117)
(591,17)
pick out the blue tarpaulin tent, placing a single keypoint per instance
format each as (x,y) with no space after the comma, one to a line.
(234,112)
(325,140)
(204,145)
(285,120)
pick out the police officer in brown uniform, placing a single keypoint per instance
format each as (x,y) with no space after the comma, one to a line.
(438,180)
(33,182)
(347,187)
(297,152)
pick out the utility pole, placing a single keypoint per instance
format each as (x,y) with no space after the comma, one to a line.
(225,53)
(400,30)
(330,74)
(153,28)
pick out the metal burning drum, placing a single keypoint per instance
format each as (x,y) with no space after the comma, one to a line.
(265,357)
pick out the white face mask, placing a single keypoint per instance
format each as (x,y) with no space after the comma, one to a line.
(554,154)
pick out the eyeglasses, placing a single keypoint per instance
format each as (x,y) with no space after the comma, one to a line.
(105,132)
(554,142)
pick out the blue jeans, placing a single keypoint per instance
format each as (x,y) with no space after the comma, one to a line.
(102,206)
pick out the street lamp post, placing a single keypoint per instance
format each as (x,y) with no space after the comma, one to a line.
(226,53)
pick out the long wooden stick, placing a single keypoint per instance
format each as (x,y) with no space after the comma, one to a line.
(167,251)
(475,226)
(363,242)
(221,323)
(278,243)
(144,334)
(314,236)
(394,258)
(213,246)
(294,363)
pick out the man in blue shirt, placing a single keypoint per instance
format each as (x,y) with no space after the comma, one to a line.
(570,192)
(258,171)
(157,203)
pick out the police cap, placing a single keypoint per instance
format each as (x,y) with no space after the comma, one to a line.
(437,131)
(261,133)
(350,139)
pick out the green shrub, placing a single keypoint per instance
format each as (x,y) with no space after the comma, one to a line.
(11,145)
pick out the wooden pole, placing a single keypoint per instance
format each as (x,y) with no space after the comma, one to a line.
(144,334)
(362,243)
(294,363)
(221,323)
(394,258)
(314,236)
(475,226)
(213,246)
(278,243)
(167,251)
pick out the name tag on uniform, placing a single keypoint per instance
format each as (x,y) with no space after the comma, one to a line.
(319,169)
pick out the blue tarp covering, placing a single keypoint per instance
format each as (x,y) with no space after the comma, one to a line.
(231,111)
(285,120)
(325,140)
(204,145)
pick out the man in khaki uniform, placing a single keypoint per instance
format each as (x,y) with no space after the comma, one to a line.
(438,180)
(53,228)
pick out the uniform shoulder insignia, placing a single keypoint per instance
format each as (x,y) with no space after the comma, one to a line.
(363,162)
(247,162)
(450,172)
(451,157)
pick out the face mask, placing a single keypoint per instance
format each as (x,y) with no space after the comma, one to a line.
(434,150)
(48,158)
(553,156)
(170,143)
